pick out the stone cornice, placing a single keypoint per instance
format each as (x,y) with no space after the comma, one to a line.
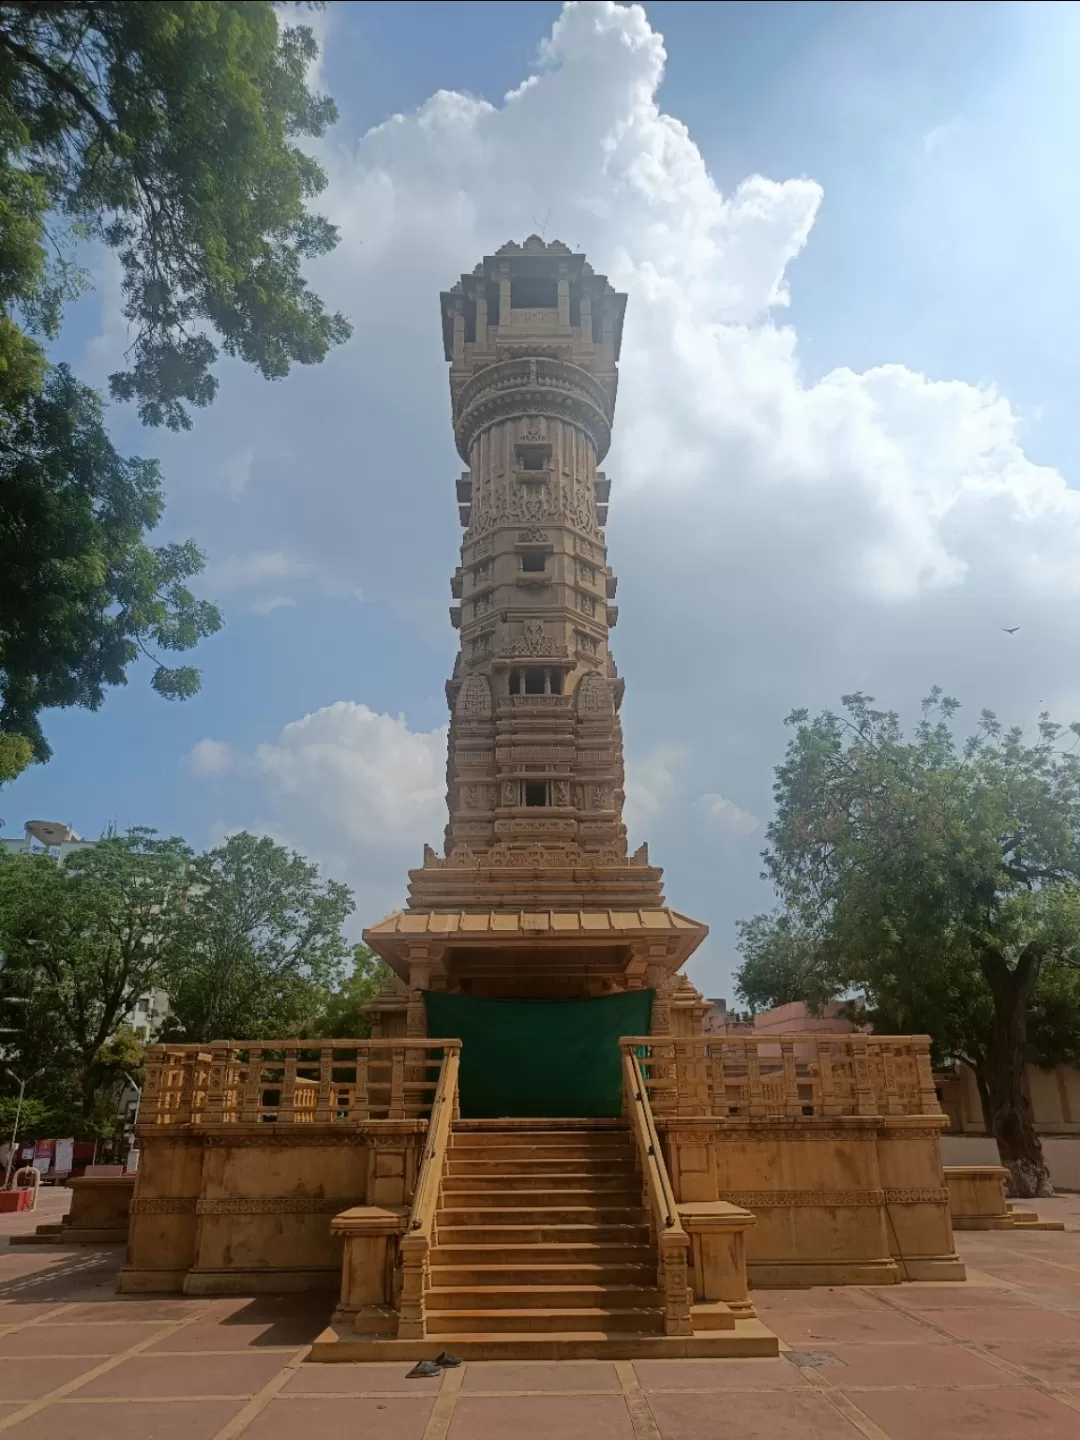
(533,386)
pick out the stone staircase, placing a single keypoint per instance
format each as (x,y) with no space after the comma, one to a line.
(542,1231)
(542,1250)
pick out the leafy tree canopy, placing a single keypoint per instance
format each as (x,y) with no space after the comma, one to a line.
(258,946)
(84,940)
(940,882)
(343,1017)
(167,132)
(81,593)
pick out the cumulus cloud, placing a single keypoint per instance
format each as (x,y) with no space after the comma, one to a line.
(727,817)
(358,791)
(211,757)
(652,784)
(780,538)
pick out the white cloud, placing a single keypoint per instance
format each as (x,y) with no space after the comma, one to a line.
(211,757)
(780,539)
(652,783)
(725,815)
(265,571)
(361,793)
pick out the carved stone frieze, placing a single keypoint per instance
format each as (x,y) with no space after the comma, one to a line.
(279,1205)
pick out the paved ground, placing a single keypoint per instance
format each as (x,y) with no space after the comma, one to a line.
(998,1359)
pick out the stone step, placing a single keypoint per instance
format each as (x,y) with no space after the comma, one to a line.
(570,1252)
(633,1232)
(518,1321)
(555,1197)
(532,1165)
(473,1216)
(604,1143)
(487,1298)
(597,1182)
(517,1275)
(748,1338)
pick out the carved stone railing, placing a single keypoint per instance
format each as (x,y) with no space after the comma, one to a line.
(291,1082)
(415,1248)
(672,1241)
(768,1077)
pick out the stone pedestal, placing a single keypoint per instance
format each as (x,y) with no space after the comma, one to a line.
(372,1235)
(717,1271)
(977,1197)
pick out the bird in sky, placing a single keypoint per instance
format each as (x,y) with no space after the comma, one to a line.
(1011,631)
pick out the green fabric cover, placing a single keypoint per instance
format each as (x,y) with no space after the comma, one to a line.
(556,1058)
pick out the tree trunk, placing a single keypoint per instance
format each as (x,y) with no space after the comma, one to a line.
(1011,1124)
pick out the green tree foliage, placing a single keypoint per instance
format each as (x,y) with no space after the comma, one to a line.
(84,940)
(167,132)
(939,883)
(258,946)
(778,963)
(81,593)
(342,1017)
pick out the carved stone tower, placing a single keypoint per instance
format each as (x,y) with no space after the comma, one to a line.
(535,840)
(532,337)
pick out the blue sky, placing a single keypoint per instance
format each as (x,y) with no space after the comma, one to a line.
(815,488)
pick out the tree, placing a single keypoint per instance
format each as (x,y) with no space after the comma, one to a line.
(84,940)
(258,946)
(81,593)
(165,132)
(941,883)
(342,1017)
(778,963)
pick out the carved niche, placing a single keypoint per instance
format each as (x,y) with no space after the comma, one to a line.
(474,698)
(594,698)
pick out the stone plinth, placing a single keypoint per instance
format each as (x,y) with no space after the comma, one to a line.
(369,1274)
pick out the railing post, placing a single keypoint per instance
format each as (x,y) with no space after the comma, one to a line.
(928,1101)
(792,1105)
(220,1064)
(251,1100)
(865,1101)
(397,1083)
(412,1310)
(326,1075)
(677,1319)
(287,1105)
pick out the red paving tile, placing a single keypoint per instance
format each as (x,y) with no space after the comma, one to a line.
(360,1379)
(826,1298)
(775,1416)
(31,1379)
(1006,1414)
(956,1297)
(1055,1361)
(205,1335)
(719,1375)
(923,1365)
(991,1324)
(152,1376)
(396,1418)
(122,1420)
(595,1375)
(543,1417)
(811,1330)
(100,1340)
(130,1307)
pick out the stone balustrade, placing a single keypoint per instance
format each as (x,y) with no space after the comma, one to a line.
(290,1082)
(746,1078)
